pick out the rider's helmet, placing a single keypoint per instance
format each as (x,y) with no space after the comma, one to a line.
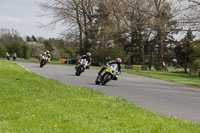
(118,60)
(88,54)
(47,52)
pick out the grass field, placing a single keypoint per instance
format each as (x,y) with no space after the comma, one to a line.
(34,60)
(23,60)
(30,103)
(186,79)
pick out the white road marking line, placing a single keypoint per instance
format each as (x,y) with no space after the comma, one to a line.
(23,67)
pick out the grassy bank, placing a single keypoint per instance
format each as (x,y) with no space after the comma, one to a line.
(186,79)
(30,103)
(182,78)
(34,60)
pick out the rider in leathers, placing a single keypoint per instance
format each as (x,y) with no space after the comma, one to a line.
(118,61)
(87,56)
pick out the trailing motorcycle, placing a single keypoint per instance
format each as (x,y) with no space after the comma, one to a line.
(43,60)
(80,67)
(108,74)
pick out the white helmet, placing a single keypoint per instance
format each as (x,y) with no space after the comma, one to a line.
(88,54)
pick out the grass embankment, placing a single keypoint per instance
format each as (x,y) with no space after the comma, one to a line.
(30,103)
(186,79)
(182,78)
(33,60)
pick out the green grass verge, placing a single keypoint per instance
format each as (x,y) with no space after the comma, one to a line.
(186,79)
(23,60)
(34,60)
(182,78)
(174,69)
(30,103)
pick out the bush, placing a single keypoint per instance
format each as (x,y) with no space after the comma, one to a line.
(2,50)
(26,50)
(55,55)
(22,49)
(36,49)
(196,64)
(15,47)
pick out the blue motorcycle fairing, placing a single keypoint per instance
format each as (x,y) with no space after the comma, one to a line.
(113,68)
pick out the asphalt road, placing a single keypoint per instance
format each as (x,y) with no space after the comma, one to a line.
(158,96)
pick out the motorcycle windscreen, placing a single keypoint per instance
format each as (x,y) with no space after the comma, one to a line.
(114,69)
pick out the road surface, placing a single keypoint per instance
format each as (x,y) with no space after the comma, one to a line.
(158,96)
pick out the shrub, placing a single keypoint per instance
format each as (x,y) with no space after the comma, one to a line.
(55,55)
(26,50)
(36,49)
(2,50)
(15,47)
(22,49)
(196,64)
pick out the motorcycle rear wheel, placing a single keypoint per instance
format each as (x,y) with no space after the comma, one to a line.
(106,78)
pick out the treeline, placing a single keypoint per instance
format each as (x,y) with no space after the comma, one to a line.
(138,31)
(11,42)
(57,47)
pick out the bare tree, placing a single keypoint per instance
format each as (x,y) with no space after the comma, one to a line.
(99,24)
(65,12)
(189,14)
(8,35)
(162,22)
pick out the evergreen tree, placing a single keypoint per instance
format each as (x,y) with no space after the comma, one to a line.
(34,39)
(28,39)
(183,50)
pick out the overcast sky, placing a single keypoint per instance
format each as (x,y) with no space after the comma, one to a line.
(24,16)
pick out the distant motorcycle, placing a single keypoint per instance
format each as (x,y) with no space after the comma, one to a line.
(80,67)
(108,74)
(43,60)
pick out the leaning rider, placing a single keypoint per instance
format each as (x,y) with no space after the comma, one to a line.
(7,56)
(48,56)
(118,62)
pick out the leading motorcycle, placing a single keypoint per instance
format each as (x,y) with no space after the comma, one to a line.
(43,60)
(108,74)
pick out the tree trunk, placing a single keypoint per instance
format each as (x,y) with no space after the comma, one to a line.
(160,50)
(141,50)
(86,41)
(185,69)
(150,57)
(80,31)
(80,42)
(185,65)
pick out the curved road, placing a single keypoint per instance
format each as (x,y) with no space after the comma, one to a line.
(158,96)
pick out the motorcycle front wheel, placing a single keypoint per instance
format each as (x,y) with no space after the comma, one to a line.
(78,71)
(97,80)
(41,63)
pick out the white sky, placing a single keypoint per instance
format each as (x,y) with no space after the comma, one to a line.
(24,16)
